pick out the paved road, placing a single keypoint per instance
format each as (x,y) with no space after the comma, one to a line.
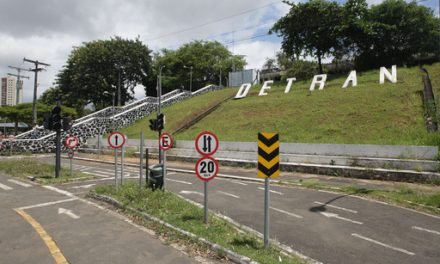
(328,227)
(39,225)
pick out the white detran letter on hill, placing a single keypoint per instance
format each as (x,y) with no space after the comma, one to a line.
(392,77)
(265,87)
(243,91)
(352,77)
(318,79)
(289,84)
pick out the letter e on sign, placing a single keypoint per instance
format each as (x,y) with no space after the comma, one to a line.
(165,141)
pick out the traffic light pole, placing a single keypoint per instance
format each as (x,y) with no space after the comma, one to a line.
(159,104)
(58,154)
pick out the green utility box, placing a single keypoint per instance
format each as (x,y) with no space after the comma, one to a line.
(155,177)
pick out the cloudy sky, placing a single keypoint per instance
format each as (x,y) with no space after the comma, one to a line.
(46,30)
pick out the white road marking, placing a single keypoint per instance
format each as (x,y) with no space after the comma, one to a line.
(184,182)
(5,187)
(331,215)
(426,230)
(97,174)
(27,185)
(229,194)
(105,172)
(191,192)
(67,212)
(272,191)
(287,213)
(47,204)
(336,207)
(168,173)
(241,183)
(84,186)
(383,244)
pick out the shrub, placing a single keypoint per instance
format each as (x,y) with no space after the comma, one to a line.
(301,70)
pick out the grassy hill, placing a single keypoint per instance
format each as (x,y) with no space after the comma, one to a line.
(367,114)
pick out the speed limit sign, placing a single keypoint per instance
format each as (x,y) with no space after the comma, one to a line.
(206,168)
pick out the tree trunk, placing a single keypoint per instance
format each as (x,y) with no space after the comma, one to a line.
(320,63)
(16,127)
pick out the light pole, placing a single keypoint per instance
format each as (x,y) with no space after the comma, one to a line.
(113,104)
(190,76)
(159,92)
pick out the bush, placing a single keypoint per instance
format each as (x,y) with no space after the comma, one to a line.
(301,70)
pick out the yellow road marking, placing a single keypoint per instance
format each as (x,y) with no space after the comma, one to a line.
(53,248)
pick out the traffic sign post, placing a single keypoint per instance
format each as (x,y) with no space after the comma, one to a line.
(268,166)
(165,143)
(116,140)
(206,167)
(70,154)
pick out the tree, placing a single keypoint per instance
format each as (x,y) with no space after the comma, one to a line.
(311,28)
(23,113)
(207,59)
(401,33)
(98,67)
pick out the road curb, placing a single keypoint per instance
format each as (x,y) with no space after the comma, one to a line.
(233,256)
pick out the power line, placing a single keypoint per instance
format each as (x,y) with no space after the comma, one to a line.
(213,21)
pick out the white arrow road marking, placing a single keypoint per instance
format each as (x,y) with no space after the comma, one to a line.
(336,207)
(383,244)
(184,182)
(426,230)
(229,194)
(272,191)
(285,212)
(27,185)
(84,186)
(331,215)
(5,187)
(67,212)
(191,192)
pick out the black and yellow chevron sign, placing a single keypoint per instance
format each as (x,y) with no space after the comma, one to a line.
(268,155)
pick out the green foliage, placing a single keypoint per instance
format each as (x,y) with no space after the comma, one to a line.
(301,70)
(310,28)
(207,59)
(23,112)
(97,67)
(401,33)
(392,32)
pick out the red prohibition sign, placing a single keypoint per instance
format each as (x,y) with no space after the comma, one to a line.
(165,141)
(206,168)
(116,139)
(72,142)
(206,143)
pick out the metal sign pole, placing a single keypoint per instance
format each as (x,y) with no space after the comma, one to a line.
(99,145)
(57,153)
(164,168)
(122,163)
(71,167)
(116,168)
(266,213)
(141,159)
(146,166)
(205,201)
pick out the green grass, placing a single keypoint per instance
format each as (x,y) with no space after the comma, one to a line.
(43,173)
(178,114)
(178,212)
(367,114)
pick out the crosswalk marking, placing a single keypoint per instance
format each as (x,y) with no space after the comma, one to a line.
(5,187)
(27,185)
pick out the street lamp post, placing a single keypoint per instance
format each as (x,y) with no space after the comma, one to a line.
(159,92)
(113,104)
(190,76)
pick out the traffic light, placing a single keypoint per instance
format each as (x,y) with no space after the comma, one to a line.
(153,124)
(56,118)
(47,124)
(160,121)
(67,123)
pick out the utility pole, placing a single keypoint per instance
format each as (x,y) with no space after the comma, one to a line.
(19,85)
(34,101)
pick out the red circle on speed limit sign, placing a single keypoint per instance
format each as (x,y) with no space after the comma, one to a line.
(206,168)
